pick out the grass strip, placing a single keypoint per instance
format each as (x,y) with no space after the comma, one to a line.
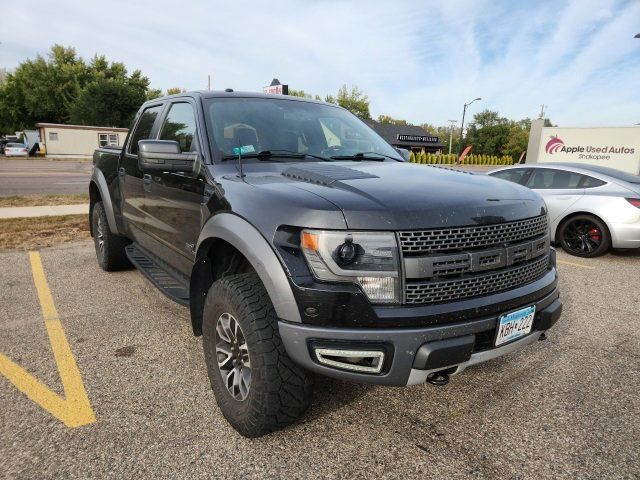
(43,200)
(38,232)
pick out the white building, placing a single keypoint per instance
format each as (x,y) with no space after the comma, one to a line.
(77,141)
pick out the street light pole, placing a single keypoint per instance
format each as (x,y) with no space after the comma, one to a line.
(453,123)
(464,111)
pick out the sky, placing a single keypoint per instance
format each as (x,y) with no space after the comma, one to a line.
(416,60)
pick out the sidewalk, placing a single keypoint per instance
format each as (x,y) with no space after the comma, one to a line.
(46,211)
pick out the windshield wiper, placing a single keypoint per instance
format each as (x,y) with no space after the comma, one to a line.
(266,155)
(375,156)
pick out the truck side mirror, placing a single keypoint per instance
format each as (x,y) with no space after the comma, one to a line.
(165,155)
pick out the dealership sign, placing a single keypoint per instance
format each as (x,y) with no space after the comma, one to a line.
(417,138)
(276,88)
(611,147)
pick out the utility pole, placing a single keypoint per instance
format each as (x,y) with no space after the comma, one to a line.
(208,82)
(453,124)
(542,107)
(464,111)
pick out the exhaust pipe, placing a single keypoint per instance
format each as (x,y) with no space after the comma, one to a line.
(439,379)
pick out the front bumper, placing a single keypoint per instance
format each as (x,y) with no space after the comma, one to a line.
(407,361)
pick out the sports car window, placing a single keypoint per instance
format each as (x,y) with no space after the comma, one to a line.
(590,182)
(547,178)
(512,174)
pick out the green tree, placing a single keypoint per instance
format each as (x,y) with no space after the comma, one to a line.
(111,97)
(55,89)
(153,93)
(299,93)
(175,90)
(42,90)
(517,140)
(107,101)
(488,133)
(391,120)
(353,100)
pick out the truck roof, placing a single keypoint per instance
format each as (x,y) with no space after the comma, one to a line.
(234,94)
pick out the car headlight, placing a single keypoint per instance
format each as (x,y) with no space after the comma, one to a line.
(370,259)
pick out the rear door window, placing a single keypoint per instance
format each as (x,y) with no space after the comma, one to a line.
(552,179)
(144,127)
(515,175)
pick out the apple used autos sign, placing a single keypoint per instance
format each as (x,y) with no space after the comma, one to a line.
(557,145)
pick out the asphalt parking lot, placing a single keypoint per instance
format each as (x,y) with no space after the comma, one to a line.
(136,402)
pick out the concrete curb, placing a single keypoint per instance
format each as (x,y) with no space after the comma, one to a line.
(44,211)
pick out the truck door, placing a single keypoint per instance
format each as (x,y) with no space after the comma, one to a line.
(174,198)
(132,180)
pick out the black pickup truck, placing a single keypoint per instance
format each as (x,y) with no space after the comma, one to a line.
(303,243)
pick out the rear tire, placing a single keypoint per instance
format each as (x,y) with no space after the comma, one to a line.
(584,236)
(257,386)
(109,247)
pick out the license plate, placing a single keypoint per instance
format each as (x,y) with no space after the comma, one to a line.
(515,325)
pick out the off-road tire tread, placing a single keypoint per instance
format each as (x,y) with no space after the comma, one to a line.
(114,256)
(280,390)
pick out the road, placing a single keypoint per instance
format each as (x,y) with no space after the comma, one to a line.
(567,407)
(30,177)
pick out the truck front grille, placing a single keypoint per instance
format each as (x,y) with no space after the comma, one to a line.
(471,237)
(440,290)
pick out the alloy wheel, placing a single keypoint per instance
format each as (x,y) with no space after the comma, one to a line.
(100,235)
(233,356)
(582,236)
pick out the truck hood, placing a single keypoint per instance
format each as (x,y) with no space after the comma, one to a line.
(403,196)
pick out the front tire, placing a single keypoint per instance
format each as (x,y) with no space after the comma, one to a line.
(584,236)
(109,247)
(257,386)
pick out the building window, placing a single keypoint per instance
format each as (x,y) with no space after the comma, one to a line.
(105,139)
(53,136)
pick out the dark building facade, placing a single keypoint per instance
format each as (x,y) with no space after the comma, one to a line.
(411,137)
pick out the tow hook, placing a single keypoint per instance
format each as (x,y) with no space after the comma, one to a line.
(438,378)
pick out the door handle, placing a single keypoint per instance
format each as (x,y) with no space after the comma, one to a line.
(121,171)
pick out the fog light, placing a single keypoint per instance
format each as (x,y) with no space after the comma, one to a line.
(380,289)
(364,361)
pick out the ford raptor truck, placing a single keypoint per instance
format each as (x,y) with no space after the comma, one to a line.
(302,243)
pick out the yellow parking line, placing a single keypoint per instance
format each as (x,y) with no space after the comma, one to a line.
(564,262)
(75,409)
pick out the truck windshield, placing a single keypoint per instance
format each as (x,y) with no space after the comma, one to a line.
(252,125)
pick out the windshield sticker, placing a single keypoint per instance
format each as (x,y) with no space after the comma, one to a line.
(244,149)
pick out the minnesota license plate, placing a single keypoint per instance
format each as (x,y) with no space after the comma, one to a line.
(515,325)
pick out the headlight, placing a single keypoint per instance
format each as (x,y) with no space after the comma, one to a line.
(369,259)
